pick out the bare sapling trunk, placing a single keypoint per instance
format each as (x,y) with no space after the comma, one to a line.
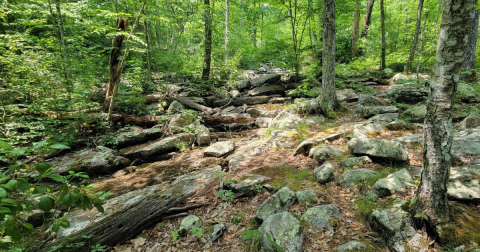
(368,17)
(208,41)
(470,50)
(382,14)
(329,95)
(408,67)
(355,28)
(431,197)
(420,44)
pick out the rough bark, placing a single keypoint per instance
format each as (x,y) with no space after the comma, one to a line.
(470,50)
(117,42)
(142,121)
(61,33)
(226,30)
(148,58)
(408,67)
(355,28)
(420,44)
(190,104)
(368,17)
(329,96)
(208,41)
(382,17)
(431,196)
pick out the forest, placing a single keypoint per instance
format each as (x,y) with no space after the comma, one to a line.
(239,125)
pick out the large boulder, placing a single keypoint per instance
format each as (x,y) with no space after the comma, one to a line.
(393,183)
(284,230)
(369,111)
(306,106)
(416,114)
(466,147)
(347,95)
(285,120)
(98,161)
(355,161)
(410,139)
(175,106)
(470,122)
(153,150)
(378,148)
(266,79)
(277,203)
(320,216)
(467,93)
(395,226)
(219,149)
(363,131)
(179,121)
(202,133)
(128,137)
(267,90)
(243,156)
(410,95)
(325,173)
(370,100)
(384,118)
(351,245)
(464,183)
(246,184)
(242,85)
(325,152)
(306,197)
(399,77)
(353,177)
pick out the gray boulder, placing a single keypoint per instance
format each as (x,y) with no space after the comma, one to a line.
(263,122)
(219,149)
(324,152)
(384,118)
(283,139)
(277,203)
(246,184)
(202,133)
(267,90)
(410,139)
(176,106)
(283,230)
(320,216)
(405,94)
(188,223)
(353,177)
(393,183)
(216,231)
(467,93)
(399,77)
(324,173)
(133,136)
(370,100)
(362,131)
(242,85)
(416,114)
(464,183)
(98,161)
(306,197)
(351,245)
(243,155)
(470,122)
(307,106)
(155,149)
(466,147)
(266,79)
(369,111)
(355,161)
(398,124)
(179,121)
(285,120)
(347,95)
(379,148)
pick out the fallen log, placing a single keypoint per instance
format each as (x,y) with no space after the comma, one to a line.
(142,121)
(151,98)
(215,120)
(190,104)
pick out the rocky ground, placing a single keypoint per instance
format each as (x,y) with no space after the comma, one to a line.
(207,182)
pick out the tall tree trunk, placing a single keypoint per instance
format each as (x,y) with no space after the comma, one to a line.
(368,17)
(431,196)
(254,23)
(470,50)
(382,17)
(226,30)
(355,28)
(439,8)
(420,44)
(208,41)
(408,67)
(329,95)
(61,34)
(148,59)
(114,63)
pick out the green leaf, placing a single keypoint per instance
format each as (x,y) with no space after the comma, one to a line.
(69,199)
(5,145)
(58,178)
(42,167)
(99,207)
(9,202)
(418,215)
(56,227)
(5,210)
(65,224)
(46,203)
(59,147)
(27,225)
(11,185)
(3,193)
(425,217)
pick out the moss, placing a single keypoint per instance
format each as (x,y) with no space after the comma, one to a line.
(464,228)
(365,207)
(287,175)
(334,222)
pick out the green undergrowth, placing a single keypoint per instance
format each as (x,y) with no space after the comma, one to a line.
(285,175)
(465,228)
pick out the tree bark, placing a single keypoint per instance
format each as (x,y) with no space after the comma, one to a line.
(382,14)
(431,196)
(367,19)
(470,50)
(355,28)
(61,35)
(190,104)
(114,61)
(148,59)
(420,44)
(408,67)
(226,30)
(208,41)
(329,95)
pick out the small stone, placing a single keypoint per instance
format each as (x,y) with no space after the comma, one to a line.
(352,177)
(278,202)
(324,152)
(188,223)
(325,173)
(356,161)
(216,231)
(378,148)
(219,149)
(320,216)
(351,245)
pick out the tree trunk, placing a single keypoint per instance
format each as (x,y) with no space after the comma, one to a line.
(255,23)
(226,30)
(420,44)
(438,13)
(149,64)
(355,28)
(367,19)
(431,196)
(470,50)
(408,67)
(208,41)
(329,95)
(114,60)
(61,35)
(382,14)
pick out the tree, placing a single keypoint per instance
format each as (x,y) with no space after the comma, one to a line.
(208,41)
(329,95)
(382,11)
(431,196)
(355,28)
(226,30)
(420,44)
(368,17)
(408,67)
(469,62)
